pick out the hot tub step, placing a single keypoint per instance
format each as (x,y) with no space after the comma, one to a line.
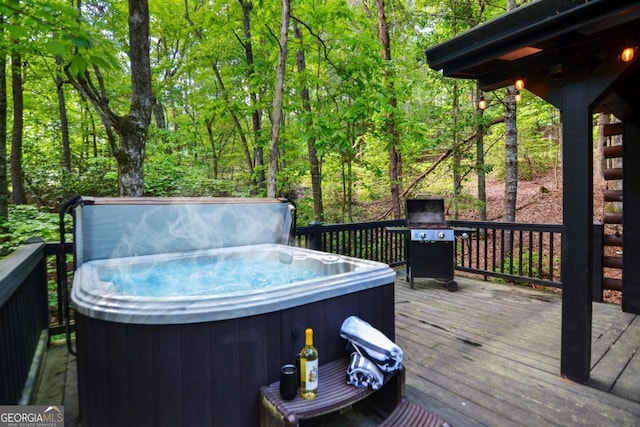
(334,395)
(408,414)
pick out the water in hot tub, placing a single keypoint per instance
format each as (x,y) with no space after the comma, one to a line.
(203,276)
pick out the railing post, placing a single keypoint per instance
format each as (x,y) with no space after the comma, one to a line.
(598,252)
(315,237)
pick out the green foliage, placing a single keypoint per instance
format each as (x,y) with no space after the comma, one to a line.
(24,222)
(50,185)
(304,211)
(202,139)
(513,265)
(538,139)
(54,28)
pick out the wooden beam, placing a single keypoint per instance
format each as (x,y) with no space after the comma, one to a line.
(603,77)
(577,239)
(544,87)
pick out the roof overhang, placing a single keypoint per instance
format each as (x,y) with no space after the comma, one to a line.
(535,41)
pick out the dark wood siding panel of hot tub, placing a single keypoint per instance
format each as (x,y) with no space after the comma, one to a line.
(116,343)
(207,374)
(196,393)
(139,371)
(287,336)
(167,358)
(100,345)
(225,369)
(254,352)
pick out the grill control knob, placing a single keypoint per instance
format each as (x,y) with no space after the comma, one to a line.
(441,235)
(423,235)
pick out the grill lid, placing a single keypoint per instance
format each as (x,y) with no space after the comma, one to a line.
(425,213)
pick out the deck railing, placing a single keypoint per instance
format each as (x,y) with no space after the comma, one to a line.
(515,252)
(526,253)
(23,322)
(367,240)
(522,253)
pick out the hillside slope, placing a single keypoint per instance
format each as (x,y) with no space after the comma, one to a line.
(540,201)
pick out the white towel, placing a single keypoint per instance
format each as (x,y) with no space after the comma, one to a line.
(372,343)
(364,373)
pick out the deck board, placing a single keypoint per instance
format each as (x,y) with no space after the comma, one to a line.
(488,354)
(621,341)
(627,382)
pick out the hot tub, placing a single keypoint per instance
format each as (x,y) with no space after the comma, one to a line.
(189,356)
(217,284)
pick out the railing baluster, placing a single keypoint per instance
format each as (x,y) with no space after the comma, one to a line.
(520,252)
(531,249)
(551,237)
(541,245)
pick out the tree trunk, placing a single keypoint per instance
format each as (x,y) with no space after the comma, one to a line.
(214,153)
(395,180)
(349,204)
(256,115)
(277,100)
(158,114)
(511,148)
(346,175)
(480,167)
(64,122)
(130,159)
(457,149)
(511,156)
(4,190)
(314,163)
(17,175)
(598,158)
(132,128)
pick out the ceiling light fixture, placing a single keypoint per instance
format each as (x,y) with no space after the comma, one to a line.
(627,54)
(482,103)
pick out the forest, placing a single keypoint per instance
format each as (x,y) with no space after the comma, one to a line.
(330,103)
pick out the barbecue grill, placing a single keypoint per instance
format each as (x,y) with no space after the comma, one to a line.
(430,246)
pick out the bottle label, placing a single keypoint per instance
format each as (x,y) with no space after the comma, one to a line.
(311,374)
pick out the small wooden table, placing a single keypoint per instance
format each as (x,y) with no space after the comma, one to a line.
(334,394)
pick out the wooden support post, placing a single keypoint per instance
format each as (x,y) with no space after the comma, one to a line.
(315,238)
(577,242)
(631,217)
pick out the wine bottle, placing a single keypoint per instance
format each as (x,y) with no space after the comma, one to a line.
(309,367)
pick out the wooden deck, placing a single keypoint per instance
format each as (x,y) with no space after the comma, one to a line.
(488,354)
